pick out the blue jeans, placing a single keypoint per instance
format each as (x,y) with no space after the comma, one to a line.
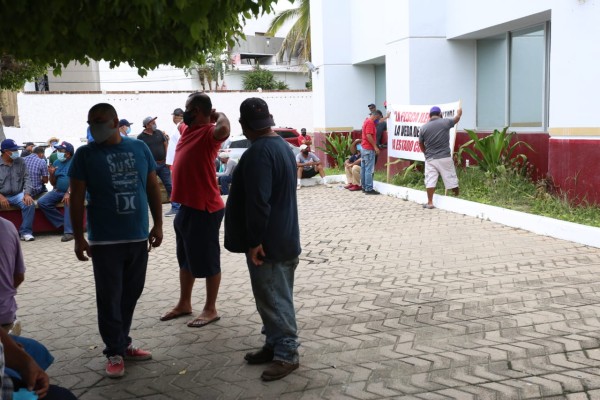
(36,350)
(120,274)
(27,213)
(367,166)
(47,203)
(225,181)
(273,288)
(164,173)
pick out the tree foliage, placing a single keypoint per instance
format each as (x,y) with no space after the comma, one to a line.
(140,33)
(297,42)
(13,73)
(210,66)
(263,79)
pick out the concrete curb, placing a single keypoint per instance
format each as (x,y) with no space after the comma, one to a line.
(583,234)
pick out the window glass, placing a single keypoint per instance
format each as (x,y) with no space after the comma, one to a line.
(491,82)
(527,63)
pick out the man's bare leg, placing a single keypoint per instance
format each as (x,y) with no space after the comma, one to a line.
(430,192)
(184,305)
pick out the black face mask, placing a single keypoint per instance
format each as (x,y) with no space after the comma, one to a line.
(188,117)
(305,152)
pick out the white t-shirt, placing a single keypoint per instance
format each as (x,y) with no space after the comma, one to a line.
(173,139)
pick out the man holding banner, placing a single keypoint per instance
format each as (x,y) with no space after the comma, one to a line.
(434,139)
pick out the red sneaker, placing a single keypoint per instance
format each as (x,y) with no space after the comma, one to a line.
(348,186)
(355,188)
(136,354)
(115,367)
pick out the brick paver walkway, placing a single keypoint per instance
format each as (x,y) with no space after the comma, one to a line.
(393,301)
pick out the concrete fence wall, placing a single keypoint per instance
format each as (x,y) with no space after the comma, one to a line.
(64,115)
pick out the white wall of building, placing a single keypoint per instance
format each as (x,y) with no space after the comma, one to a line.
(65,115)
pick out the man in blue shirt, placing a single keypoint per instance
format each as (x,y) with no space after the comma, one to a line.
(261,220)
(119,175)
(59,178)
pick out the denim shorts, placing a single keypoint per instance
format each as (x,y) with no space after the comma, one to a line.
(197,238)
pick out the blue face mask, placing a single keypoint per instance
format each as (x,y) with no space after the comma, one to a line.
(102,131)
(62,157)
(359,147)
(128,131)
(14,155)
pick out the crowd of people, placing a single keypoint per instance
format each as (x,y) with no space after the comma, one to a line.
(113,181)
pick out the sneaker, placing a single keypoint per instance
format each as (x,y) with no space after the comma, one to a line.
(115,367)
(137,354)
(67,237)
(348,186)
(259,357)
(27,237)
(171,213)
(298,187)
(355,188)
(372,192)
(277,370)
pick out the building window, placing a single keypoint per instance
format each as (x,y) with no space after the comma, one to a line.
(512,80)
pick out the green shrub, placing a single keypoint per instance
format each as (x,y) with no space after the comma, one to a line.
(262,78)
(337,146)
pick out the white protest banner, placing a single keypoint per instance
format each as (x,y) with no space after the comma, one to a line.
(403,129)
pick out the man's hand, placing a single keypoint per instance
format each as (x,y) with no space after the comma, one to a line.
(377,150)
(82,245)
(36,379)
(213,115)
(155,237)
(67,199)
(4,202)
(51,169)
(257,254)
(28,200)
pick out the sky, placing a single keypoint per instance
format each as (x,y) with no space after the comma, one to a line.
(261,24)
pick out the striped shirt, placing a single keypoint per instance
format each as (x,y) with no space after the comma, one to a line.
(14,178)
(6,386)
(37,169)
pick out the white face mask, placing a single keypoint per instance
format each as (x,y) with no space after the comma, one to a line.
(102,131)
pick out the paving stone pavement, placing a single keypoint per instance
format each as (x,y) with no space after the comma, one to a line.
(392,301)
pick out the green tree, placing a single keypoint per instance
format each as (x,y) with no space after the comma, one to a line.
(141,33)
(14,73)
(262,78)
(210,66)
(297,41)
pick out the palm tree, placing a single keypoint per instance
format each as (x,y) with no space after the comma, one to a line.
(297,41)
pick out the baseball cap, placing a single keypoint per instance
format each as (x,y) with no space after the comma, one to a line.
(178,112)
(147,120)
(65,145)
(223,154)
(9,144)
(303,130)
(302,147)
(435,109)
(124,122)
(372,105)
(255,113)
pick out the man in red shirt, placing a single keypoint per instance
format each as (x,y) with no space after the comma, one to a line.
(368,152)
(198,221)
(304,139)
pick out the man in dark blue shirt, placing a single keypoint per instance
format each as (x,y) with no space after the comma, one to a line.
(261,220)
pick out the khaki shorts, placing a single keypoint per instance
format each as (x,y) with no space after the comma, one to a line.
(443,167)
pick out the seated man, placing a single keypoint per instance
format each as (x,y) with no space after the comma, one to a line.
(225,172)
(309,165)
(15,186)
(31,376)
(59,178)
(352,167)
(38,171)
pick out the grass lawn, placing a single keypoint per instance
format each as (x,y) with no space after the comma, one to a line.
(510,191)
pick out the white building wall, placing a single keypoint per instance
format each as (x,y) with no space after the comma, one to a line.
(65,115)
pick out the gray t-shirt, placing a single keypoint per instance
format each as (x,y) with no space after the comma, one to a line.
(311,157)
(436,136)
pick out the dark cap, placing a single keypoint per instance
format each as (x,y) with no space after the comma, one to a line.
(147,120)
(178,112)
(9,144)
(67,146)
(124,122)
(254,112)
(303,130)
(435,109)
(372,105)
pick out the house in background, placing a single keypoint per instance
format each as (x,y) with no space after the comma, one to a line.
(530,65)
